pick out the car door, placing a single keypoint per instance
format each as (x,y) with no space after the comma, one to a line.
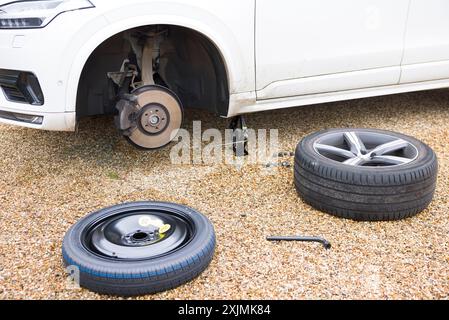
(426,53)
(316,46)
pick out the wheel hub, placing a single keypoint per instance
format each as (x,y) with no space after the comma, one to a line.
(154,119)
(140,237)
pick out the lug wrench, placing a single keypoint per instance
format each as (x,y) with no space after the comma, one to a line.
(324,242)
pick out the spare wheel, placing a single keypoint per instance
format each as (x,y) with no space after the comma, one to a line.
(139,248)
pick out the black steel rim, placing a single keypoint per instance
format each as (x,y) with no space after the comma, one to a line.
(140,234)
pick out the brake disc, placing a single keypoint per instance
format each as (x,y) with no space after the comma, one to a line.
(150,117)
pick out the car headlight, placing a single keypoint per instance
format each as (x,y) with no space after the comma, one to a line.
(36,13)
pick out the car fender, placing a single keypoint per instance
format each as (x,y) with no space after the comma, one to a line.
(239,70)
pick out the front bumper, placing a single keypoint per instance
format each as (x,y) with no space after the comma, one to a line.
(48,54)
(17,106)
(55,121)
(29,56)
(34,116)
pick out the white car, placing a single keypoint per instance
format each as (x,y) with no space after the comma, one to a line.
(146,60)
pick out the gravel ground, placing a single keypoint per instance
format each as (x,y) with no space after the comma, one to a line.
(51,179)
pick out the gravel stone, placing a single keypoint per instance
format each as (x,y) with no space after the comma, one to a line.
(51,179)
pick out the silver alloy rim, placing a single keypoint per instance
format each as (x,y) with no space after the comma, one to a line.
(366,148)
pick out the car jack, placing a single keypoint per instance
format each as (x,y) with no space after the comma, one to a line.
(239,136)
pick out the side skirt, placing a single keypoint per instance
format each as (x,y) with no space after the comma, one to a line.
(246,102)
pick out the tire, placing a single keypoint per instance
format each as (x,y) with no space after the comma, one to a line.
(120,276)
(365,193)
